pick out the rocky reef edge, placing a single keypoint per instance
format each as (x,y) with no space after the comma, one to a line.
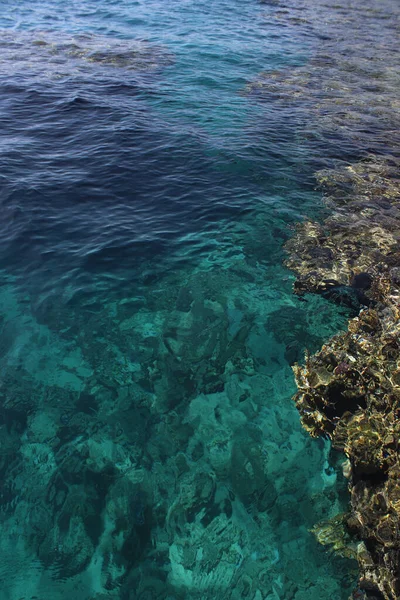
(349,391)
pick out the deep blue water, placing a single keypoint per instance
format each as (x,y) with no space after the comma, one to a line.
(150,447)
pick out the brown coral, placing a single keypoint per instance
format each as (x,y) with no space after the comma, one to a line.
(350,390)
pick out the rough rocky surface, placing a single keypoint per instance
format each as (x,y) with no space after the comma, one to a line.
(350,389)
(344,103)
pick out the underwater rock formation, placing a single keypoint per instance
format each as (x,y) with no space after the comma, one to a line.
(148,484)
(350,389)
(56,54)
(359,240)
(344,102)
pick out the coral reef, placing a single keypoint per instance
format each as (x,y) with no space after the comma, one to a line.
(55,55)
(359,240)
(149,445)
(350,389)
(344,100)
(345,105)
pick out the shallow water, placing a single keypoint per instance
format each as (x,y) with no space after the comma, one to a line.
(150,447)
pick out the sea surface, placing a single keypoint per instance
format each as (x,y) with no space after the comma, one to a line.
(149,446)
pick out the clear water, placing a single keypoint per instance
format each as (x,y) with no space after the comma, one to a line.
(149,444)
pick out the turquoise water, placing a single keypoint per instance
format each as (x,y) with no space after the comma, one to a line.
(149,444)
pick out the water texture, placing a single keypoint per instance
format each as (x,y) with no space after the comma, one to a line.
(149,444)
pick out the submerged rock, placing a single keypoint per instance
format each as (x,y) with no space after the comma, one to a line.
(56,54)
(346,102)
(344,97)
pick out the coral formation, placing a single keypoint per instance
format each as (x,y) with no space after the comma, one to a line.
(346,101)
(345,98)
(350,389)
(55,55)
(358,241)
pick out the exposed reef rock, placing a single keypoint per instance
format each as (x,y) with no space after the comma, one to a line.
(350,390)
